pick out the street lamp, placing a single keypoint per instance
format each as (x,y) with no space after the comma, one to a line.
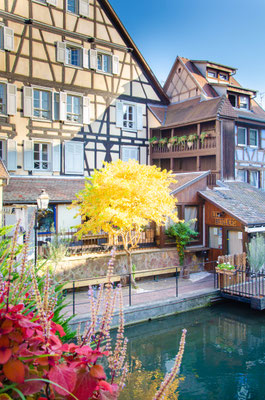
(42,204)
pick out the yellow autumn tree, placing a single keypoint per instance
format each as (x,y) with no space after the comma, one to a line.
(124,197)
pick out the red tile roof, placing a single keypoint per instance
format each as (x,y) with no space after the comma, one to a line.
(27,189)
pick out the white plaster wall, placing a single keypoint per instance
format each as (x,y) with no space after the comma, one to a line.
(66,217)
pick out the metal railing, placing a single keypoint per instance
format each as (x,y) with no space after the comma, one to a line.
(241,282)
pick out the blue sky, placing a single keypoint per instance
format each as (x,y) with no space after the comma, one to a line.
(231,32)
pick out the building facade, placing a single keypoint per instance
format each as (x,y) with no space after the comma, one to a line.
(74,90)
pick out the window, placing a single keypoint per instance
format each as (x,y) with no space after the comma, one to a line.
(243,102)
(72,6)
(74,111)
(129,153)
(1,149)
(41,157)
(2,98)
(129,116)
(253,137)
(41,104)
(47,220)
(223,76)
(73,56)
(104,62)
(233,99)
(215,238)
(191,213)
(242,175)
(254,178)
(241,136)
(211,73)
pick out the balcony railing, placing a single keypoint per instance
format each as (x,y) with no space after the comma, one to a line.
(207,143)
(88,243)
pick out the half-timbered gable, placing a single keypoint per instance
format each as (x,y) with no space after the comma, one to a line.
(74,88)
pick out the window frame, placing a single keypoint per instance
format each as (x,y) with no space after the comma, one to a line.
(4,112)
(70,47)
(40,233)
(257,138)
(72,121)
(224,74)
(133,121)
(49,156)
(239,97)
(245,175)
(76,12)
(212,71)
(258,178)
(130,147)
(242,144)
(50,111)
(104,54)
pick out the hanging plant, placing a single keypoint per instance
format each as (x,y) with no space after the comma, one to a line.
(183,234)
(182,139)
(204,135)
(171,141)
(191,138)
(153,140)
(163,141)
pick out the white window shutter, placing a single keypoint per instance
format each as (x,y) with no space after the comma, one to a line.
(125,155)
(11,155)
(56,155)
(11,91)
(8,38)
(86,110)
(119,114)
(115,65)
(93,59)
(84,8)
(130,153)
(52,2)
(28,101)
(74,158)
(61,51)
(139,117)
(63,106)
(85,58)
(28,155)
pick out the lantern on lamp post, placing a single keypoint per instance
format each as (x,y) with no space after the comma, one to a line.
(42,204)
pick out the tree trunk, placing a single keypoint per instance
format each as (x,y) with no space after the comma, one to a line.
(129,262)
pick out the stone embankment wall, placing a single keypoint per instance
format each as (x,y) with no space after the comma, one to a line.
(95,265)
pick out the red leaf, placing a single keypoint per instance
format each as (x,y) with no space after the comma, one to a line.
(59,329)
(85,385)
(6,327)
(97,372)
(31,387)
(5,354)
(106,395)
(14,370)
(63,376)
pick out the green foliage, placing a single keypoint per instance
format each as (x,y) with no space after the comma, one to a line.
(183,234)
(153,140)
(226,267)
(58,247)
(256,252)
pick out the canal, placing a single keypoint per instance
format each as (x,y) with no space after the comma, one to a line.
(224,355)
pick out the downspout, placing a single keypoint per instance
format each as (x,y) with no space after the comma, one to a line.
(222,151)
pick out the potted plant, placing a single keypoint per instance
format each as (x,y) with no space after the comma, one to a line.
(163,141)
(171,141)
(190,139)
(226,268)
(153,140)
(182,140)
(204,135)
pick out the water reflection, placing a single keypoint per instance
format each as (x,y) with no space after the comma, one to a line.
(224,355)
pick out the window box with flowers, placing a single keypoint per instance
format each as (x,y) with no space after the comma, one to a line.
(226,268)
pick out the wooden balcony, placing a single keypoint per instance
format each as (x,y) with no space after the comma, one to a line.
(208,146)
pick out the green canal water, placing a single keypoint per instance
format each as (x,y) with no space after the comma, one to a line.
(224,355)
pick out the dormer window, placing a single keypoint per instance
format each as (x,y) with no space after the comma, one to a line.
(212,74)
(239,101)
(223,76)
(243,102)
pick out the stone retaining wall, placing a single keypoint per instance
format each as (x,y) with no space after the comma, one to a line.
(95,265)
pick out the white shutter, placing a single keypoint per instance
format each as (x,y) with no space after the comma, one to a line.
(28,101)
(119,114)
(130,153)
(115,65)
(52,2)
(139,117)
(61,51)
(8,38)
(63,106)
(28,155)
(84,8)
(86,110)
(11,155)
(85,58)
(11,99)
(56,155)
(74,158)
(125,155)
(93,59)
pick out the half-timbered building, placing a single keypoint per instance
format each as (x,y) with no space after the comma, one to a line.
(74,91)
(212,123)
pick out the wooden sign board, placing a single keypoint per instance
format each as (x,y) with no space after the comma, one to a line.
(215,216)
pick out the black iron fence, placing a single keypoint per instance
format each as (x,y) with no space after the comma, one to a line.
(242,282)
